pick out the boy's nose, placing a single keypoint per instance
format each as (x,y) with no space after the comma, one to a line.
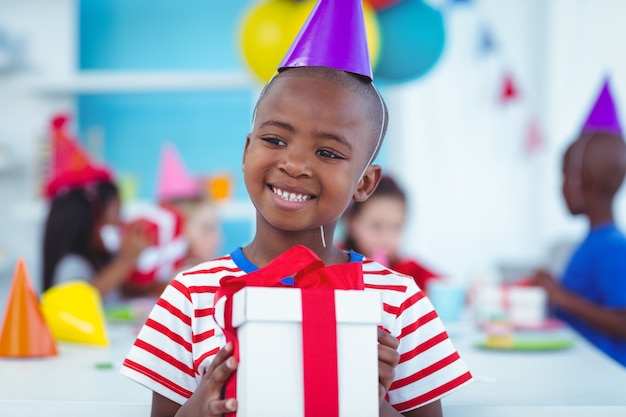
(295,164)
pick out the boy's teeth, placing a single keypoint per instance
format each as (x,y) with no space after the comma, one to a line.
(289,196)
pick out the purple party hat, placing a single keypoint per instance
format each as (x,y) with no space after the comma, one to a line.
(333,36)
(603,116)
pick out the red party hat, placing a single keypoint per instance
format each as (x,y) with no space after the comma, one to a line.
(71,166)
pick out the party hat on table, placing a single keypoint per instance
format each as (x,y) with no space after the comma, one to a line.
(24,331)
(334,36)
(603,115)
(70,165)
(74,313)
(174,181)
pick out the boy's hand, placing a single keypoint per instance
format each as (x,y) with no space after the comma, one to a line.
(206,400)
(388,358)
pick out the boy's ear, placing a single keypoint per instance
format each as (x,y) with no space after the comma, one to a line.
(245,150)
(368,183)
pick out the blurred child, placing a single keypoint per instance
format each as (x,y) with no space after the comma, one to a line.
(374,228)
(178,189)
(83,202)
(316,131)
(203,233)
(591,295)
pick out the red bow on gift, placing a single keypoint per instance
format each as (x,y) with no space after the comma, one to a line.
(319,325)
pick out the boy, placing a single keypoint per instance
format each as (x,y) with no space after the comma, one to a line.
(316,131)
(591,296)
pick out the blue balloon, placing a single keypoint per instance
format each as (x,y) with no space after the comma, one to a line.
(412,38)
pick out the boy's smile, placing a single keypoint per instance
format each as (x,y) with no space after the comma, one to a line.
(291,196)
(305,155)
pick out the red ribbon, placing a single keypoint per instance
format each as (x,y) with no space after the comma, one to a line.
(319,324)
(319,353)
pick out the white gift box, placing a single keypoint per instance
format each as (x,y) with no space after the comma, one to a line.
(270,371)
(527,305)
(522,305)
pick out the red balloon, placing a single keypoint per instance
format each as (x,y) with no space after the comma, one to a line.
(381,4)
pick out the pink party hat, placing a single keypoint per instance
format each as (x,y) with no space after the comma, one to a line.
(174,180)
(333,36)
(603,116)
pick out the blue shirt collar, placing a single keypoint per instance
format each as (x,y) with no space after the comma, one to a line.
(246,266)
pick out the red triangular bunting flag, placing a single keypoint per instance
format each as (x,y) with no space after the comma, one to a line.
(534,138)
(509,90)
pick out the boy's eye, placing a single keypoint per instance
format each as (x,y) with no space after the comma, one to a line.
(325,153)
(274,141)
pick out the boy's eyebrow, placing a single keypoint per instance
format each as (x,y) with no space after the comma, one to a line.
(332,136)
(280,124)
(319,134)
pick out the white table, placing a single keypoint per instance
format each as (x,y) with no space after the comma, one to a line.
(72,384)
(577,381)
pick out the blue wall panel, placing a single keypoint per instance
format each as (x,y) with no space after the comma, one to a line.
(160,34)
(209,130)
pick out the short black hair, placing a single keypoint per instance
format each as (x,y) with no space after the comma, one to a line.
(360,85)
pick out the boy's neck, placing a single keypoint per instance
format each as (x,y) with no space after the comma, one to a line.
(600,213)
(267,246)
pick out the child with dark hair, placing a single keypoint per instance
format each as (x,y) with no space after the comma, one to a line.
(317,128)
(73,247)
(591,295)
(374,227)
(83,202)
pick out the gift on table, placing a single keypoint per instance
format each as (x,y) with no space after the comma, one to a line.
(309,351)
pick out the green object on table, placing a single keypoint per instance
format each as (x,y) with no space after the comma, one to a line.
(104,365)
(531,345)
(119,313)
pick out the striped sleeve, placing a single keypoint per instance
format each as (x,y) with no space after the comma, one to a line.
(161,358)
(429,367)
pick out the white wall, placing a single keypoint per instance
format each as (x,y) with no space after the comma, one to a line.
(478,199)
(47,28)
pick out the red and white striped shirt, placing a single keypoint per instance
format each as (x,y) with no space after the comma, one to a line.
(180,338)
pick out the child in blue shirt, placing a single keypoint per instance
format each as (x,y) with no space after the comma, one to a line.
(591,295)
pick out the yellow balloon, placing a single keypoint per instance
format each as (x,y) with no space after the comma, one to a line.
(267,32)
(372,30)
(73,311)
(269,28)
